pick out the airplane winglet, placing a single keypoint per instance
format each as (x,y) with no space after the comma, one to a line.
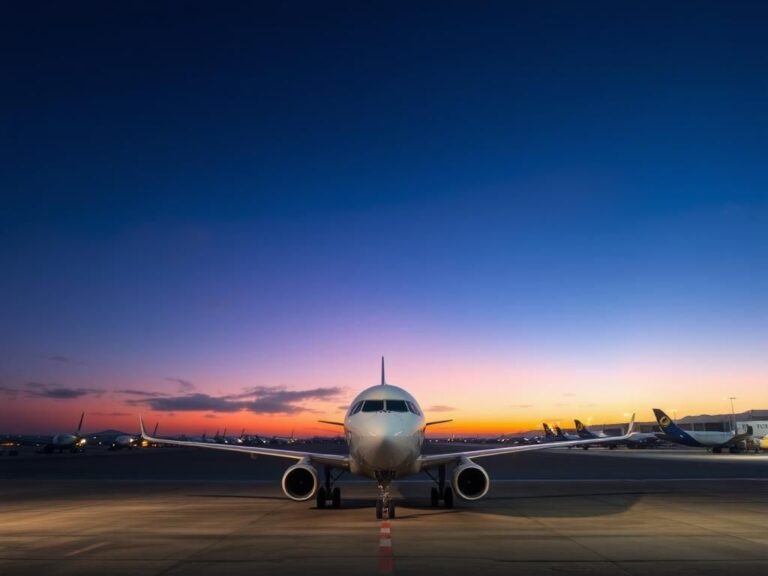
(141,427)
(631,426)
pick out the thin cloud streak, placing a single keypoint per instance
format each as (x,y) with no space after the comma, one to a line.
(258,400)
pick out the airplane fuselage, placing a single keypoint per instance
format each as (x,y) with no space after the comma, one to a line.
(384,428)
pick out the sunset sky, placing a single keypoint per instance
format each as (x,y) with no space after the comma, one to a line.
(222,216)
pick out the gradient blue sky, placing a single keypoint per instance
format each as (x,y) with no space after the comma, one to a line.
(517,198)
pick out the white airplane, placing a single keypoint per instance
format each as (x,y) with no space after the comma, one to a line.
(72,442)
(130,441)
(717,441)
(384,428)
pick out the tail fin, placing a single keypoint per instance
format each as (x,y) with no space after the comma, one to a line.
(583,431)
(547,430)
(672,430)
(80,426)
(665,422)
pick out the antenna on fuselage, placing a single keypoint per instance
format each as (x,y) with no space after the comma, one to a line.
(383,381)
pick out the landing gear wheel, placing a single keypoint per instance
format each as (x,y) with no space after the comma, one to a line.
(322,496)
(391,513)
(448,497)
(379,509)
(434,497)
(336,497)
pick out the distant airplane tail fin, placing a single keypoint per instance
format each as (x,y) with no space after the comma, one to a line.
(80,425)
(383,381)
(631,427)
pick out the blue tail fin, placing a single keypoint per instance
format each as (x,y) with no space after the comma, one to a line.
(583,431)
(672,431)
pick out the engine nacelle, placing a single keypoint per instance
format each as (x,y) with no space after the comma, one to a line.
(470,481)
(300,481)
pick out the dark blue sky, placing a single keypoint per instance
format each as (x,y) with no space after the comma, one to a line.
(186,185)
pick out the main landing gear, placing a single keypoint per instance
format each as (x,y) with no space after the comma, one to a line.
(328,492)
(385,506)
(441,491)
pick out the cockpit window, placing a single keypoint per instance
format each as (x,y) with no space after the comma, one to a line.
(356,408)
(396,406)
(412,408)
(373,406)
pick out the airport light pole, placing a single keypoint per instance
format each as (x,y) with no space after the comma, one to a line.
(733,413)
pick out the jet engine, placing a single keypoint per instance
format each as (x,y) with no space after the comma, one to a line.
(470,481)
(300,481)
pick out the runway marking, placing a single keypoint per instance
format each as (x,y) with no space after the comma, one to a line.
(86,549)
(386,562)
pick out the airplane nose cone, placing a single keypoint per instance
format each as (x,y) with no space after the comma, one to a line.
(386,444)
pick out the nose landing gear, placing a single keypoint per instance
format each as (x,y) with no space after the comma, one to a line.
(385,506)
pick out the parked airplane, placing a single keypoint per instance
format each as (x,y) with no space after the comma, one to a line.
(549,434)
(565,435)
(130,441)
(72,442)
(384,428)
(717,441)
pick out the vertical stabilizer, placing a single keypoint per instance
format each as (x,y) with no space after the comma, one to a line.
(383,381)
(80,426)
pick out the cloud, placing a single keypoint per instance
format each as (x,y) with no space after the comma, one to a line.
(41,390)
(140,393)
(8,392)
(184,385)
(342,407)
(113,414)
(521,406)
(440,408)
(259,400)
(210,416)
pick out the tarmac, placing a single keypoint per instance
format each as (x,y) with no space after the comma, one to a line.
(164,511)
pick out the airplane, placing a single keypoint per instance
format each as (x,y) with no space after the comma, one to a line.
(717,441)
(555,436)
(72,442)
(639,439)
(384,428)
(566,435)
(130,440)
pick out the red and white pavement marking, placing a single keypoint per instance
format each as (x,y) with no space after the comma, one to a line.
(386,562)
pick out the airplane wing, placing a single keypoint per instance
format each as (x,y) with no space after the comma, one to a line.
(333,460)
(432,460)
